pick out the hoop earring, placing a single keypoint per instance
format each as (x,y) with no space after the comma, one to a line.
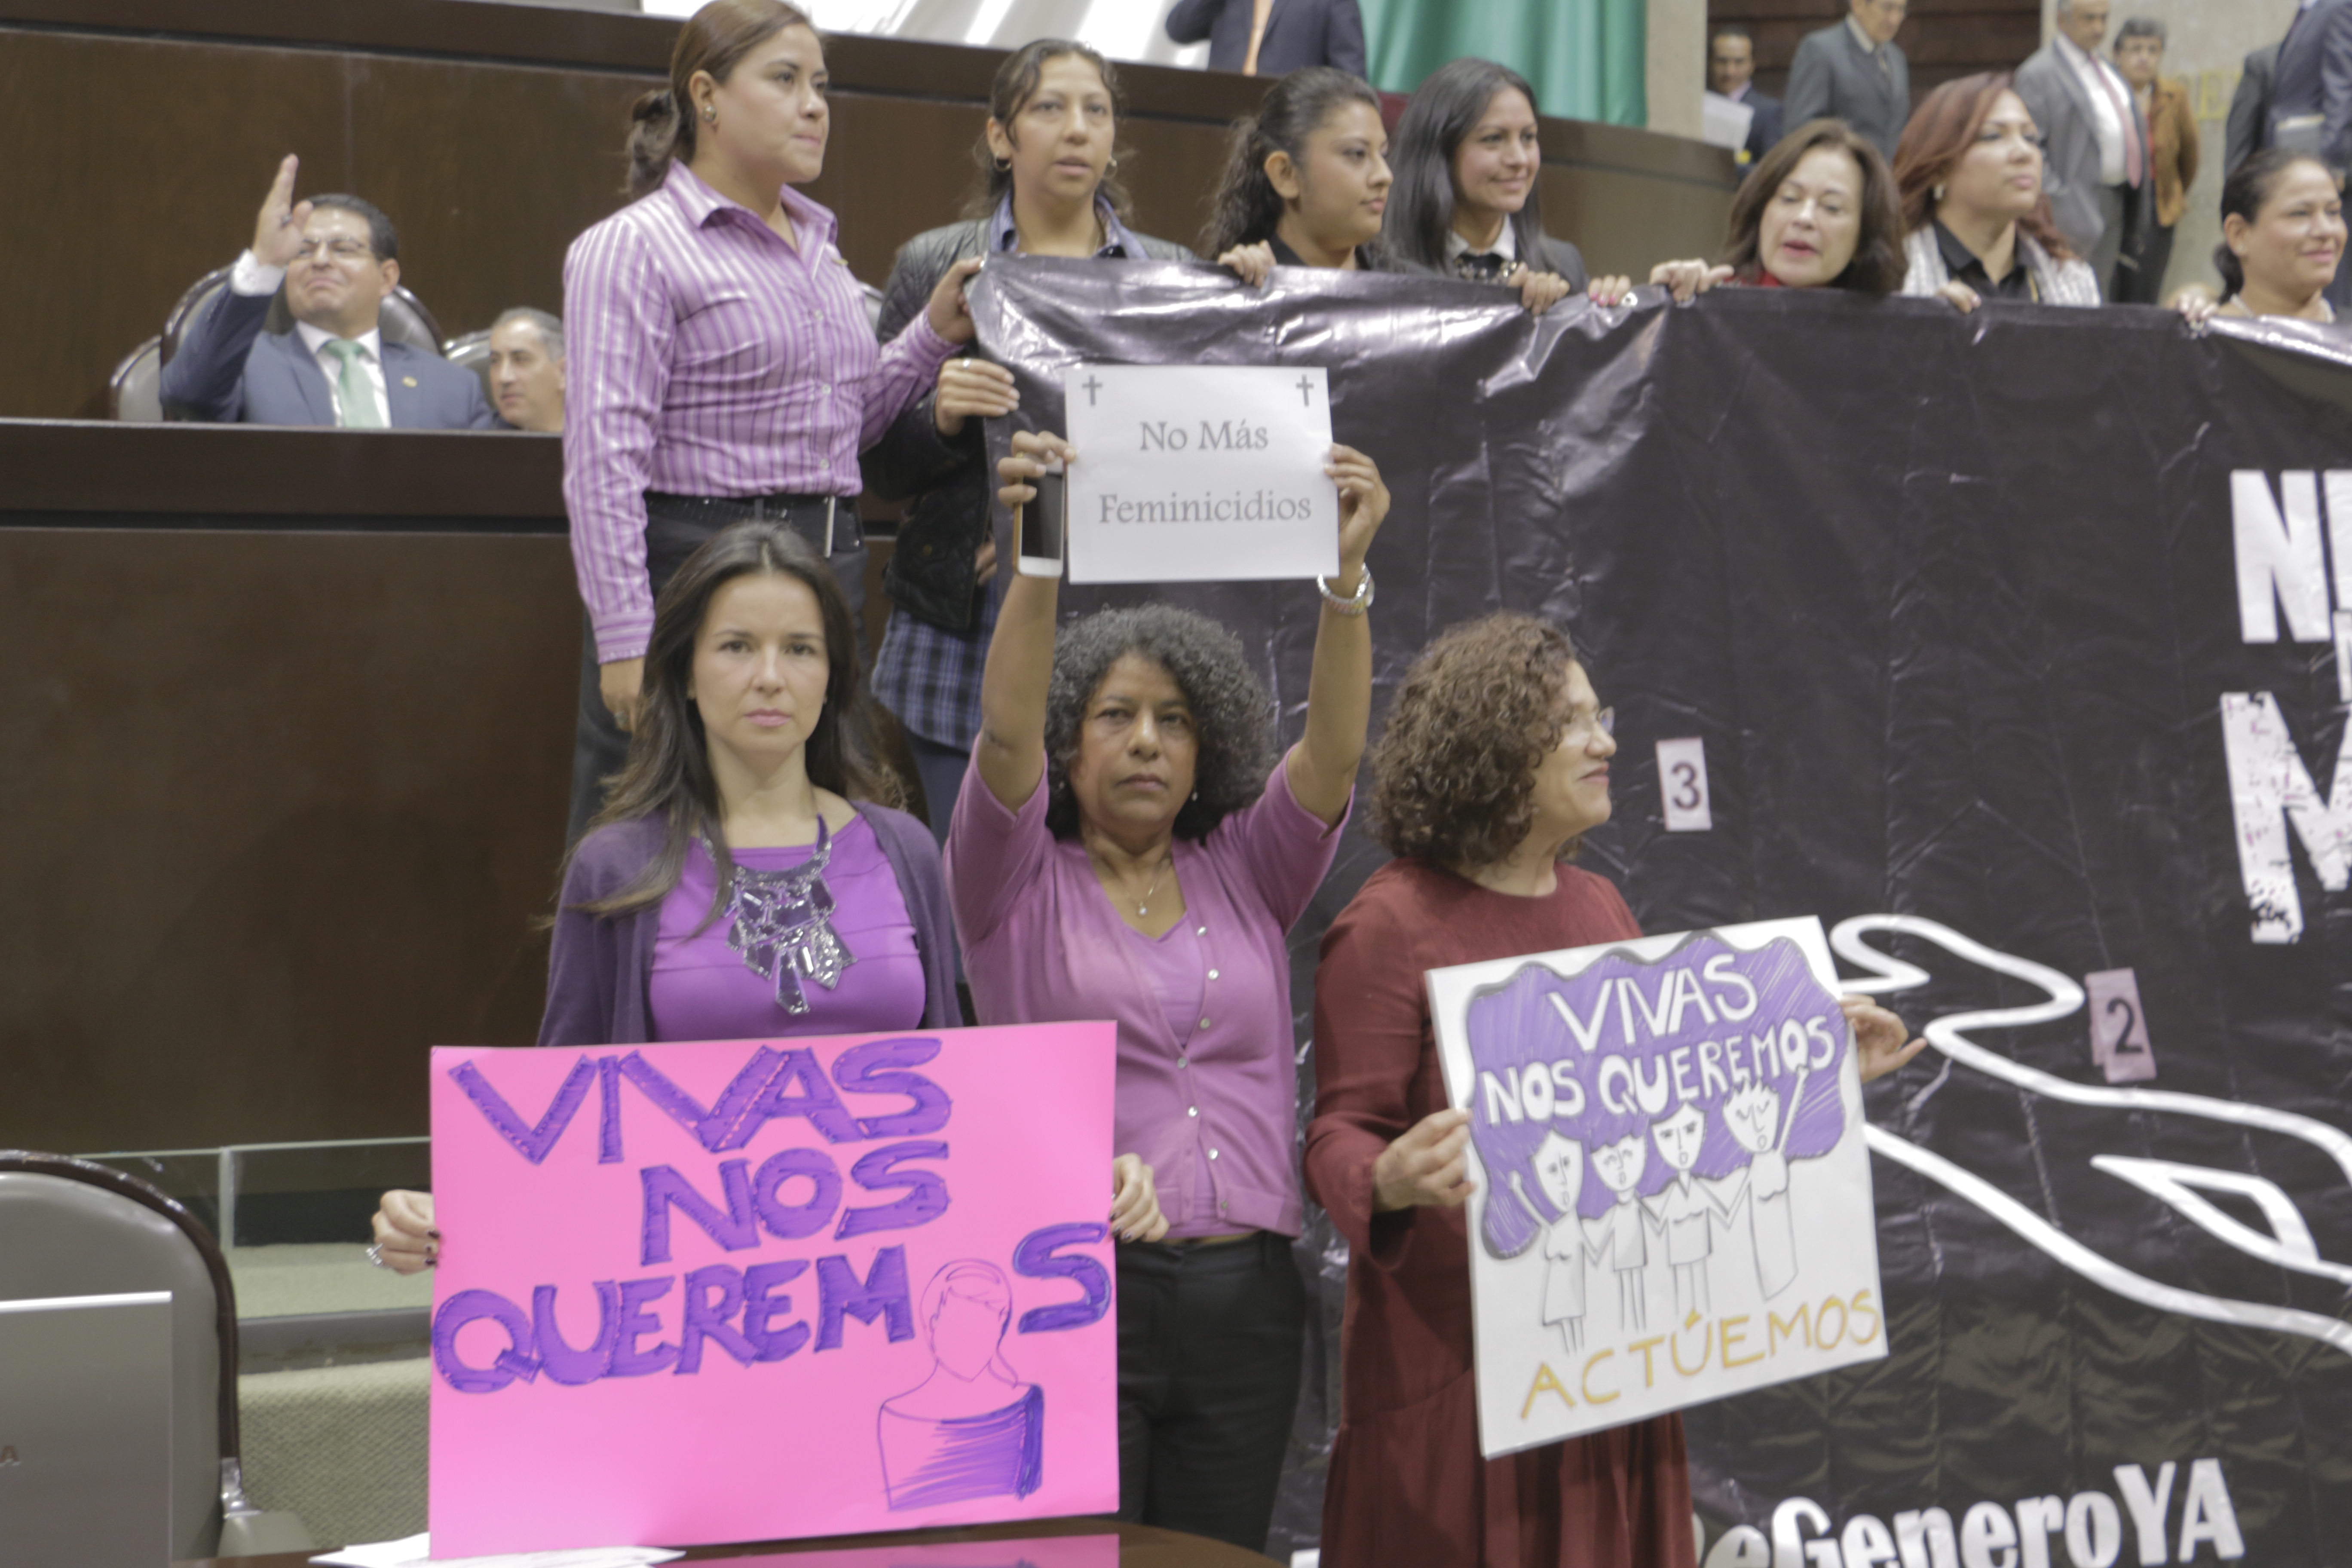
(1004,166)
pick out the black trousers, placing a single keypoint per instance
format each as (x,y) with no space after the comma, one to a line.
(675,530)
(1210,1340)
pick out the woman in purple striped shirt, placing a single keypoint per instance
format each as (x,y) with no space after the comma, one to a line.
(722,362)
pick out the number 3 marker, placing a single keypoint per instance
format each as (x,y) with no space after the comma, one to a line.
(1682,784)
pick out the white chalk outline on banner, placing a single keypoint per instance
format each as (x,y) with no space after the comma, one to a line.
(2161,1178)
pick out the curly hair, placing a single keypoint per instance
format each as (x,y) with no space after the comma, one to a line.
(1230,712)
(1453,775)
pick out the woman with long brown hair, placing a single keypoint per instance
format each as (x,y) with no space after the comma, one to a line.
(1049,186)
(749,876)
(1976,221)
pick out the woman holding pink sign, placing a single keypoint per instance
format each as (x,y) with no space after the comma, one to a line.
(1128,846)
(1494,764)
(750,876)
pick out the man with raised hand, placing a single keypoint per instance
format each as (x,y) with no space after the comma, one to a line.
(337,258)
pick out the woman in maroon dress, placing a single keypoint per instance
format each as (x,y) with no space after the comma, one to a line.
(1494,764)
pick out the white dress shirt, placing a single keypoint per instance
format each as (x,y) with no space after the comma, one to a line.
(2104,86)
(251,276)
(1506,245)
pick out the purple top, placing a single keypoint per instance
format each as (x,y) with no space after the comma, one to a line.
(1212,1109)
(600,968)
(710,358)
(1179,971)
(700,988)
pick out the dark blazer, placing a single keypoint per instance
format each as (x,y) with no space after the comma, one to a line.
(2060,106)
(1832,76)
(1765,131)
(600,968)
(1299,33)
(2311,101)
(228,371)
(930,574)
(2250,109)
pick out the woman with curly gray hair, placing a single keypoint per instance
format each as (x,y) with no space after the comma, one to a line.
(1126,847)
(1494,766)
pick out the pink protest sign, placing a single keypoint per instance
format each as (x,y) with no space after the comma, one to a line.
(754,1289)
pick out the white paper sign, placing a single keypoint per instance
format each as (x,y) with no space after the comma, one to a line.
(1682,785)
(1200,473)
(1725,121)
(1674,1196)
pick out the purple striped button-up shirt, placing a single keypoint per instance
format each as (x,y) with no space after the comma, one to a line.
(707,357)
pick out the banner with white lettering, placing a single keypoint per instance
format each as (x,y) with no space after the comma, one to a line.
(2011,646)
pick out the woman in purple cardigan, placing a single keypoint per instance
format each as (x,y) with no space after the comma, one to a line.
(745,880)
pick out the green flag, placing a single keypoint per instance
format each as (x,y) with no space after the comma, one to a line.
(1586,58)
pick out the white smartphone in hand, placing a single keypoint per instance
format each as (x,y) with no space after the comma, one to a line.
(1042,523)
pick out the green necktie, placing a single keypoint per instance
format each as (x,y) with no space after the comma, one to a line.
(356,393)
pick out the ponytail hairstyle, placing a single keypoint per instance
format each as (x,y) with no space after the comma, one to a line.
(2244,194)
(1443,112)
(1246,207)
(1016,85)
(714,39)
(669,776)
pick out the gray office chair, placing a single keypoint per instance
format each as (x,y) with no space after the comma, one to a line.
(471,351)
(70,1227)
(134,392)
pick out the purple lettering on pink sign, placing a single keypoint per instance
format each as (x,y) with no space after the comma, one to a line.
(1643,1074)
(534,1140)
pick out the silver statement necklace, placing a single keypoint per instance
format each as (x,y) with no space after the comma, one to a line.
(780,922)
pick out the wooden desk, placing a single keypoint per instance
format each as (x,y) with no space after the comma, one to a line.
(1139,1546)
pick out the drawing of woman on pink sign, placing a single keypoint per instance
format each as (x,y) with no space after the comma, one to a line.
(972,1428)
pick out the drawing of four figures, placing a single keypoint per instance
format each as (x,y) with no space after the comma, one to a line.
(1680,1222)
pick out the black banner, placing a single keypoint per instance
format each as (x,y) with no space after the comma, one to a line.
(2013,649)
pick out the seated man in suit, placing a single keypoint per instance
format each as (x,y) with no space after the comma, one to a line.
(527,369)
(1272,38)
(1853,71)
(337,258)
(1731,73)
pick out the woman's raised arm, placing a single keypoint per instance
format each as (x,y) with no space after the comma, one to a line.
(1339,687)
(1012,753)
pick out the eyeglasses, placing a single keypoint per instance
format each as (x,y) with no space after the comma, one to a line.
(343,250)
(1582,729)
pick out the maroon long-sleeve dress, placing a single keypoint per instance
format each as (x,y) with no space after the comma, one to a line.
(1406,1483)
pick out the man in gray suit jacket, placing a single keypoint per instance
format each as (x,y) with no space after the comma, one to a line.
(2094,160)
(337,258)
(1290,35)
(2250,109)
(1854,72)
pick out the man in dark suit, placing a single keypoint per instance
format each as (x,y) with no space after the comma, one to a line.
(337,258)
(2250,109)
(1854,72)
(2311,97)
(1731,73)
(2095,158)
(1272,38)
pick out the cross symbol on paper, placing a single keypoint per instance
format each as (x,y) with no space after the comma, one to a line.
(1305,392)
(1092,387)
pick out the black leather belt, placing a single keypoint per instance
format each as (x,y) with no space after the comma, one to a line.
(828,522)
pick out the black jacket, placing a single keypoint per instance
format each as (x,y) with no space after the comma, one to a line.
(930,574)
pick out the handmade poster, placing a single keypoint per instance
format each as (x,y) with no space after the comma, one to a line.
(755,1289)
(1674,1196)
(1200,473)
